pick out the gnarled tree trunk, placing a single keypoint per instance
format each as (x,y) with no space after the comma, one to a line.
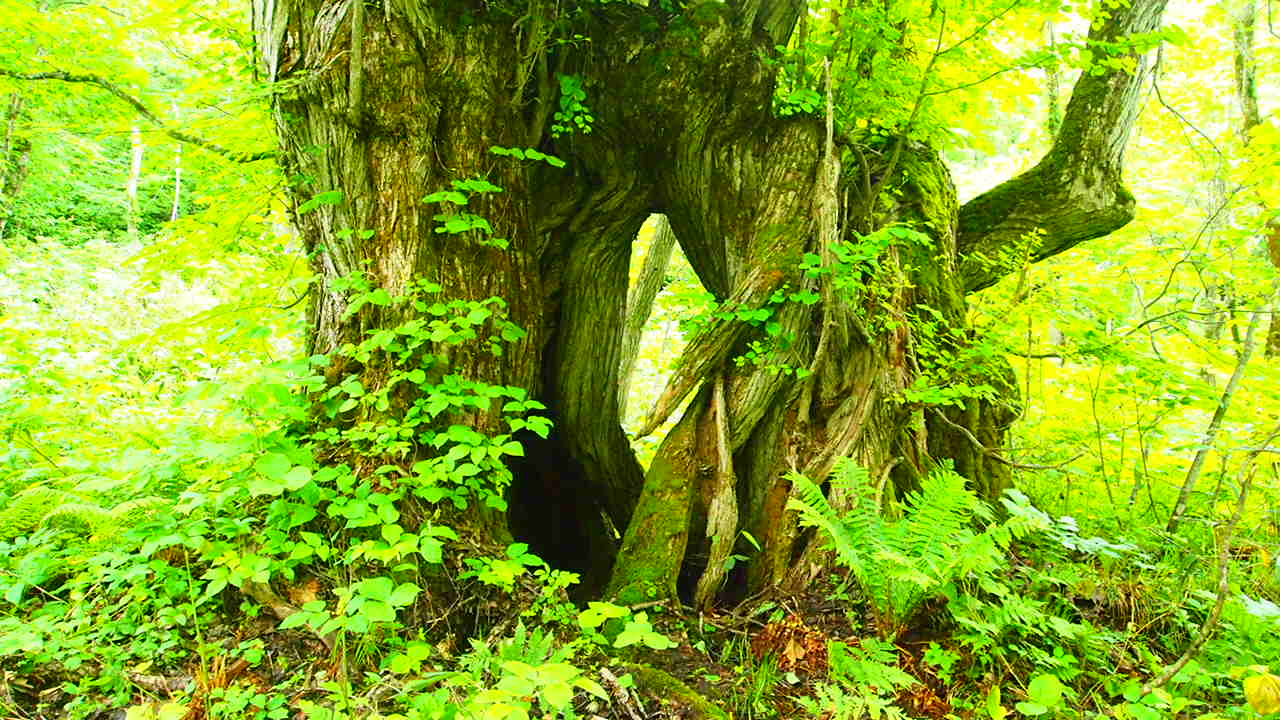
(391,103)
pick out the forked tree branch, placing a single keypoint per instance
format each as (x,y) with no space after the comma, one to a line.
(139,107)
(1076,193)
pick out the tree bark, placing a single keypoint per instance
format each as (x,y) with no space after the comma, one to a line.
(15,160)
(445,78)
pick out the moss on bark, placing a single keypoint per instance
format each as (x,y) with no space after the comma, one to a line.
(675,695)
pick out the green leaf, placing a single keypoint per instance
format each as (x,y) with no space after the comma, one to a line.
(592,687)
(376,588)
(295,620)
(296,478)
(994,709)
(378,611)
(1045,690)
(273,465)
(404,595)
(598,612)
(556,695)
(658,641)
(331,197)
(451,196)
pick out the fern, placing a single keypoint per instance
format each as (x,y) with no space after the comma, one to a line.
(27,509)
(43,507)
(899,565)
(78,518)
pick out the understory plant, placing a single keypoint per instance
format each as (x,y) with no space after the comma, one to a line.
(864,681)
(900,564)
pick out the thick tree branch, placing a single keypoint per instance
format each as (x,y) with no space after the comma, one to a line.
(1076,193)
(777,18)
(141,109)
(711,347)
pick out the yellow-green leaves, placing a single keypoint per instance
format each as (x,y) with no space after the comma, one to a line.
(274,474)
(1262,690)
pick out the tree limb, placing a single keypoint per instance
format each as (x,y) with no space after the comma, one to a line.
(995,455)
(1076,193)
(711,346)
(141,109)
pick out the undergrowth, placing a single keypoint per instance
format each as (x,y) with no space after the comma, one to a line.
(171,545)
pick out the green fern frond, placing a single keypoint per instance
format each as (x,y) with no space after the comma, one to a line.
(816,511)
(27,509)
(44,507)
(134,512)
(899,565)
(81,518)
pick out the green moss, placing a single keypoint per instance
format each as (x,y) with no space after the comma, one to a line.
(671,691)
(654,547)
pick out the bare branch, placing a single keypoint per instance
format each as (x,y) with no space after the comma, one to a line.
(995,455)
(1215,426)
(141,109)
(982,27)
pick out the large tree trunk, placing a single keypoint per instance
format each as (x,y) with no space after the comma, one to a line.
(395,103)
(442,87)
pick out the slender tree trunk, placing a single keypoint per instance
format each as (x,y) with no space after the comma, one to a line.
(176,209)
(136,150)
(640,303)
(12,111)
(1215,425)
(14,161)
